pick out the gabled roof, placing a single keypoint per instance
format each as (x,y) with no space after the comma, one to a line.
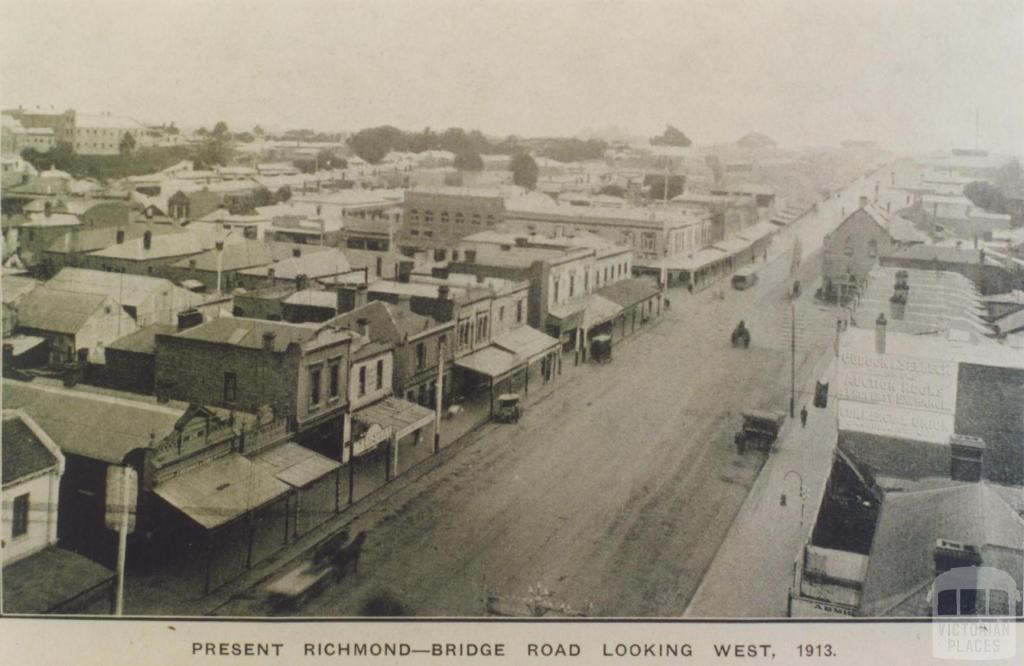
(125,288)
(313,265)
(142,341)
(165,245)
(385,321)
(58,311)
(16,286)
(91,240)
(629,292)
(248,333)
(25,451)
(902,551)
(235,256)
(90,424)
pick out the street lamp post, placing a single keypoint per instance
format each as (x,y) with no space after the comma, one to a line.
(802,491)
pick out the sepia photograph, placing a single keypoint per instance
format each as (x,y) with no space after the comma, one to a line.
(448,331)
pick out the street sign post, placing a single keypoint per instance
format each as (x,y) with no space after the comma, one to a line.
(122,494)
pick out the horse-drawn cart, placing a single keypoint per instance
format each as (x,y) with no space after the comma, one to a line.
(329,563)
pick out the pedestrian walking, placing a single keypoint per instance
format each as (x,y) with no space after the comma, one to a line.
(803,416)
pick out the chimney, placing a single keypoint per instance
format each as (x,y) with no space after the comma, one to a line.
(192,264)
(522,241)
(470,256)
(296,252)
(954,554)
(404,269)
(443,292)
(48,208)
(966,458)
(147,240)
(189,318)
(301,281)
(479,279)
(268,340)
(863,201)
(363,326)
(880,325)
(271,274)
(440,272)
(120,236)
(219,245)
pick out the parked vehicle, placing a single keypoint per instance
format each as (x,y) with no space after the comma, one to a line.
(601,348)
(744,278)
(508,409)
(741,336)
(760,430)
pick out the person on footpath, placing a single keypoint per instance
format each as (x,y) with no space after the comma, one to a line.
(803,416)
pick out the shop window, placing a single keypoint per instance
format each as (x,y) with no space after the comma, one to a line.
(519,312)
(380,374)
(421,355)
(362,380)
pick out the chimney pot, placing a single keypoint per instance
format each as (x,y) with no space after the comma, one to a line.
(268,341)
(219,245)
(296,252)
(147,240)
(880,326)
(120,236)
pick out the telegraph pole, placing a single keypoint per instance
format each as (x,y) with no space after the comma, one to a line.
(793,358)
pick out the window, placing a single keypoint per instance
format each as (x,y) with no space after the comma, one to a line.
(19,524)
(481,327)
(501,314)
(572,284)
(848,248)
(230,386)
(465,332)
(314,386)
(872,248)
(519,312)
(362,380)
(556,291)
(380,374)
(421,355)
(333,373)
(380,266)
(586,280)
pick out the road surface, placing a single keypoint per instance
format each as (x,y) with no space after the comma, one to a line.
(613,494)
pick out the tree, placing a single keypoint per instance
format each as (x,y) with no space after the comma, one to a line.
(613,191)
(257,131)
(127,144)
(524,170)
(985,195)
(220,130)
(469,161)
(245,137)
(574,150)
(671,137)
(284,193)
(373,143)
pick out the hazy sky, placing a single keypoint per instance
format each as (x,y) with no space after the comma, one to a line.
(907,73)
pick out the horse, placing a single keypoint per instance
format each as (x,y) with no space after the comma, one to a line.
(349,555)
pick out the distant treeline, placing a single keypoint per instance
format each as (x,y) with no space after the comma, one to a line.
(374,143)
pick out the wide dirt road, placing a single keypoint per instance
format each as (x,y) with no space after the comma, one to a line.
(613,493)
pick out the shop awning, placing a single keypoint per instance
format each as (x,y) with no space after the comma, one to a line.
(23,343)
(220,491)
(490,361)
(599,310)
(193,285)
(527,342)
(295,465)
(756,232)
(568,315)
(395,415)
